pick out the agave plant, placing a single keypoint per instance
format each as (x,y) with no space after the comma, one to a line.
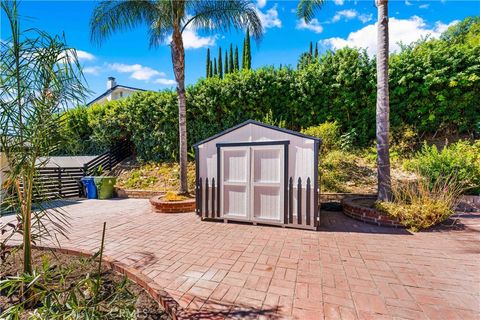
(40,76)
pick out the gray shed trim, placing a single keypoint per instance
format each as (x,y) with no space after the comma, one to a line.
(258,123)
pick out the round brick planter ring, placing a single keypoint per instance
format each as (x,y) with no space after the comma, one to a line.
(353,208)
(160,206)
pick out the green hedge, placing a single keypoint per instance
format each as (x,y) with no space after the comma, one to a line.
(434,86)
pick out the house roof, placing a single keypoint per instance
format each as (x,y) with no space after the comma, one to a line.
(118,86)
(258,123)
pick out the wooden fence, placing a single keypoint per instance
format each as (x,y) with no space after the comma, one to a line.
(208,204)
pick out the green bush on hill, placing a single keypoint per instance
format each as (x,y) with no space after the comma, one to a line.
(434,87)
(460,160)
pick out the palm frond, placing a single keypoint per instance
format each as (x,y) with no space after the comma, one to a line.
(306,9)
(161,26)
(111,16)
(224,15)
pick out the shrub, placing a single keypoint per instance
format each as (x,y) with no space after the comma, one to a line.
(173,196)
(328,132)
(155,176)
(420,205)
(404,140)
(342,171)
(460,160)
(434,85)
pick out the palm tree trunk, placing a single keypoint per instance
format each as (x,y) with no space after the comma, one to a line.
(383,108)
(178,60)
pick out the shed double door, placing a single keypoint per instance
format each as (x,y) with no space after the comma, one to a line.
(252,183)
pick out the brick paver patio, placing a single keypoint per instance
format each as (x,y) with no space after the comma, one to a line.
(349,270)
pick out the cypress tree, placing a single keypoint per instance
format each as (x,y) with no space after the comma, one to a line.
(208,64)
(248,54)
(220,66)
(244,51)
(310,53)
(316,50)
(211,68)
(226,61)
(236,65)
(215,72)
(231,68)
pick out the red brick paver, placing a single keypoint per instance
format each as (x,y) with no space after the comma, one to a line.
(348,270)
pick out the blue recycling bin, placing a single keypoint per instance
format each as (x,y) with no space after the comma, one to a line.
(90,187)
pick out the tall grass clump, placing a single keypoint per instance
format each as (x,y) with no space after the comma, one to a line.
(419,204)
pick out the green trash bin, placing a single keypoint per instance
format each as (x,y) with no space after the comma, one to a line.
(105,186)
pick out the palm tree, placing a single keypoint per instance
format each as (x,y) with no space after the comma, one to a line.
(306,10)
(40,77)
(383,104)
(168,19)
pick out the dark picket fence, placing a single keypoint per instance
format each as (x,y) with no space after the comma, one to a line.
(208,205)
(65,182)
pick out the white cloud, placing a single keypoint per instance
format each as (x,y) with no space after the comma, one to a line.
(408,3)
(84,55)
(137,71)
(424,6)
(314,25)
(69,55)
(191,39)
(339,2)
(95,70)
(346,14)
(400,30)
(167,82)
(270,18)
(365,17)
(261,3)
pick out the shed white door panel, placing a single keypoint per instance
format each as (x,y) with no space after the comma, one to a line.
(235,191)
(267,182)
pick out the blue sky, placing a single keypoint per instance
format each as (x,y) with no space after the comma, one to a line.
(127,57)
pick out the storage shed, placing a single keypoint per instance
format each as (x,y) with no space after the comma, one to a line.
(258,173)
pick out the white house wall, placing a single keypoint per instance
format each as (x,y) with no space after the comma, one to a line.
(301,157)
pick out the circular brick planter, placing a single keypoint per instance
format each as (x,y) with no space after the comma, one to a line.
(353,208)
(160,206)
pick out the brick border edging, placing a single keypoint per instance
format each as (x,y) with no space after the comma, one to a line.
(368,215)
(173,309)
(137,193)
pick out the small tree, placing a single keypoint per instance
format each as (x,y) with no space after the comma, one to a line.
(231,66)
(40,76)
(247,54)
(220,66)
(226,62)
(235,61)
(207,72)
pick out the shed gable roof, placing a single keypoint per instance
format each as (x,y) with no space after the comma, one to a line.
(261,124)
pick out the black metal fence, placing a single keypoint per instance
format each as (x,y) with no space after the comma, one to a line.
(65,182)
(59,182)
(108,159)
(208,204)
